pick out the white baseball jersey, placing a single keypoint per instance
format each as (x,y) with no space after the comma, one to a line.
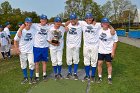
(106,41)
(6,29)
(90,34)
(26,40)
(61,40)
(41,35)
(74,36)
(3,39)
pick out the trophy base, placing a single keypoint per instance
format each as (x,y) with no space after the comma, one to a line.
(54,41)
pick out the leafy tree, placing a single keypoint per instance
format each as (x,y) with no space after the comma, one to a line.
(6,7)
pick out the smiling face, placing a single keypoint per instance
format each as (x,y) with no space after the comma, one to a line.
(105,25)
(43,21)
(28,24)
(89,20)
(74,21)
(58,24)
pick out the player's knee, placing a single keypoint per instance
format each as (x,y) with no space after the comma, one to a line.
(76,62)
(54,63)
(69,62)
(31,66)
(87,63)
(59,63)
(93,65)
(23,67)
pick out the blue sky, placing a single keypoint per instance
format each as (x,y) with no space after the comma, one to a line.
(49,7)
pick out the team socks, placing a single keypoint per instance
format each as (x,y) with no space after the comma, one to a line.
(70,68)
(59,69)
(87,69)
(55,69)
(75,68)
(31,73)
(24,72)
(93,70)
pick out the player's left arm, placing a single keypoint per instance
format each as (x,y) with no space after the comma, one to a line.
(114,49)
(115,39)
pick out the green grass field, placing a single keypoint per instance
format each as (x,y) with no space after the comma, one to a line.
(126,77)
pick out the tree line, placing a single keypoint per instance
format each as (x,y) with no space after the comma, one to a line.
(117,10)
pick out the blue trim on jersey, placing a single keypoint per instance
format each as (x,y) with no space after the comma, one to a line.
(40,54)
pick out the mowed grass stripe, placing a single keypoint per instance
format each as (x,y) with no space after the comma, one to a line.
(60,86)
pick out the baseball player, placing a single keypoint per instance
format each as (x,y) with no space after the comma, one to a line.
(73,43)
(4,41)
(24,47)
(90,48)
(6,29)
(41,45)
(107,48)
(56,40)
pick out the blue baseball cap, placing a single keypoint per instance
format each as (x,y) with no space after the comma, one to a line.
(43,17)
(7,23)
(1,26)
(20,23)
(28,19)
(57,19)
(105,20)
(88,15)
(73,16)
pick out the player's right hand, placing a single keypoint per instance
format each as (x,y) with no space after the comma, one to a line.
(66,29)
(17,50)
(22,26)
(54,44)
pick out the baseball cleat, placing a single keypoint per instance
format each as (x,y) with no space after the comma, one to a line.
(75,77)
(36,80)
(31,81)
(59,76)
(69,76)
(99,80)
(109,81)
(45,78)
(86,78)
(24,81)
(92,79)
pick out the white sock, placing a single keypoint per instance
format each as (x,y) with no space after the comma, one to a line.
(109,76)
(37,74)
(100,76)
(44,73)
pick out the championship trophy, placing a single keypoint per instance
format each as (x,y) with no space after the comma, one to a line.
(56,36)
